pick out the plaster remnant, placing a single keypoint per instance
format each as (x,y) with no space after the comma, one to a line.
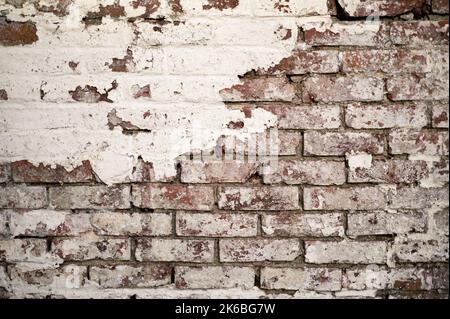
(359,160)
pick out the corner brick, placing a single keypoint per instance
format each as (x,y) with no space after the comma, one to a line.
(23,250)
(337,143)
(345,34)
(90,197)
(43,223)
(132,224)
(175,250)
(303,225)
(299,117)
(424,142)
(385,223)
(216,224)
(408,250)
(390,171)
(123,276)
(258,198)
(343,88)
(217,171)
(171,196)
(414,197)
(352,198)
(248,250)
(440,6)
(440,115)
(214,277)
(80,249)
(318,172)
(316,279)
(24,171)
(383,116)
(382,8)
(23,197)
(349,252)
(66,277)
(420,33)
(260,89)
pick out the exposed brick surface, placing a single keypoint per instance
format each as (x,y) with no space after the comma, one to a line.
(171,149)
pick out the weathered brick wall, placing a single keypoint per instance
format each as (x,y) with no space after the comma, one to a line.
(139,144)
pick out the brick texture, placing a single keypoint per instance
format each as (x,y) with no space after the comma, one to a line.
(224,149)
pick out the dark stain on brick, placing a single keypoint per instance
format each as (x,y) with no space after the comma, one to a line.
(443,117)
(73,65)
(3,95)
(114,120)
(282,6)
(176,6)
(114,11)
(221,4)
(151,6)
(143,91)
(90,94)
(235,125)
(124,64)
(17,33)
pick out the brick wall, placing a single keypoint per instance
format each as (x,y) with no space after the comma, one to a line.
(224,148)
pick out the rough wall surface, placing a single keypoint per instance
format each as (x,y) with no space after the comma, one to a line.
(224,148)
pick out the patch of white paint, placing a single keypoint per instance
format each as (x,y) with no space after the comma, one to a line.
(359,160)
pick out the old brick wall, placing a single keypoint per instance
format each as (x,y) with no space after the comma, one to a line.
(224,148)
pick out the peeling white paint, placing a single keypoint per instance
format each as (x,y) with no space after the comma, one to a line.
(359,160)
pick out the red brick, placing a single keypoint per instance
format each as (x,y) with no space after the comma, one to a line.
(216,224)
(390,61)
(79,249)
(352,198)
(318,279)
(381,8)
(390,171)
(124,276)
(420,33)
(385,223)
(214,277)
(345,33)
(418,142)
(343,88)
(336,143)
(303,225)
(306,117)
(17,33)
(348,252)
(260,89)
(171,196)
(440,6)
(288,142)
(429,87)
(90,197)
(217,171)
(258,198)
(23,197)
(175,250)
(23,250)
(302,62)
(417,251)
(248,250)
(440,115)
(318,172)
(413,197)
(134,224)
(382,116)
(24,171)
